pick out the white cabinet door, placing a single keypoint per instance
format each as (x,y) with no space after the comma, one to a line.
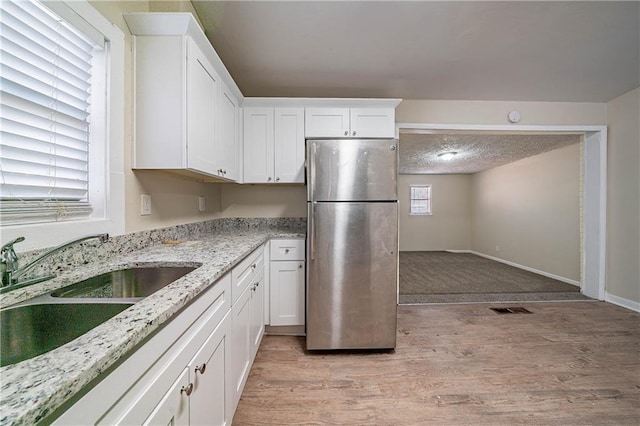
(208,402)
(257,314)
(287,293)
(240,345)
(258,145)
(372,122)
(326,122)
(173,409)
(289,149)
(202,94)
(226,139)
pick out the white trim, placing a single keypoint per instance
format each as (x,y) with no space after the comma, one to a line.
(594,190)
(621,301)
(523,267)
(321,102)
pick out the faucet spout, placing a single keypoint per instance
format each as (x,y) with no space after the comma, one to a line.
(10,270)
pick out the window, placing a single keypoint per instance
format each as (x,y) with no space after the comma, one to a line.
(61,121)
(420,200)
(45,115)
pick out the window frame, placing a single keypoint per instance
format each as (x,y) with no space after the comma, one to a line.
(429,198)
(106,159)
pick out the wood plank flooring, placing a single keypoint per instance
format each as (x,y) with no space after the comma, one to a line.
(570,363)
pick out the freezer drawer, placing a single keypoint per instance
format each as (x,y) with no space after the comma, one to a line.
(352,275)
(352,170)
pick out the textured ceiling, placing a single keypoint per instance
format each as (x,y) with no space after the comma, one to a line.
(474,50)
(475,153)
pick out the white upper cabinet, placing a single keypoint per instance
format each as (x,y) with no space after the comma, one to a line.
(200,113)
(186,103)
(228,136)
(273,145)
(258,145)
(327,122)
(350,122)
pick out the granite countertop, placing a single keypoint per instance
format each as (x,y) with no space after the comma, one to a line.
(34,388)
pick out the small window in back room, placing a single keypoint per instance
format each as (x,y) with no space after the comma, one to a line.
(420,200)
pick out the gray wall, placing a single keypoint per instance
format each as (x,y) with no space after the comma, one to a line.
(528,212)
(623,197)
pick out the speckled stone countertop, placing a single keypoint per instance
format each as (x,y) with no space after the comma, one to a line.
(32,389)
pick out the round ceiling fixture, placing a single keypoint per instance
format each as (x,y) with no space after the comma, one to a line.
(446,156)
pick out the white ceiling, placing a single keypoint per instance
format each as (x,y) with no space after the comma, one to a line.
(475,152)
(534,51)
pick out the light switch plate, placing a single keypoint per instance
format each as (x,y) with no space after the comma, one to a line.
(201,204)
(145,204)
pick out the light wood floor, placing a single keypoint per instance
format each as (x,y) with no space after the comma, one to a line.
(569,363)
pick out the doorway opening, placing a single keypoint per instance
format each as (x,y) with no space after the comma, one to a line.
(511,259)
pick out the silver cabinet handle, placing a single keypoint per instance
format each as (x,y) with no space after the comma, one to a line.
(253,266)
(187,389)
(354,133)
(346,133)
(201,369)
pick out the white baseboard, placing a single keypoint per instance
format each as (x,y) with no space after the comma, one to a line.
(621,301)
(526,268)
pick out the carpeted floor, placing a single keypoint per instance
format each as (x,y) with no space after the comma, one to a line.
(444,277)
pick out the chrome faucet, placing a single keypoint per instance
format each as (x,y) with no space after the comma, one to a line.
(9,266)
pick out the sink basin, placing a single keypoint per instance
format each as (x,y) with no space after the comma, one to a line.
(125,283)
(31,330)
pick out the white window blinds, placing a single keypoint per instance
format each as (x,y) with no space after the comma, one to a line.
(45,91)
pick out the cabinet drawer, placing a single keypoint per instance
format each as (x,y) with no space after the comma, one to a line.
(244,273)
(287,249)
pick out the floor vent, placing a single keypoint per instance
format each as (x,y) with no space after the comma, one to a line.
(514,310)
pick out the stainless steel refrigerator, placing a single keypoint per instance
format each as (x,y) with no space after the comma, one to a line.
(352,244)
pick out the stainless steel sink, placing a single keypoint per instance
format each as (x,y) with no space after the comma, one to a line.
(31,330)
(125,283)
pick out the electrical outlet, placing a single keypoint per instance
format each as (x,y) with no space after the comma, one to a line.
(201,204)
(145,204)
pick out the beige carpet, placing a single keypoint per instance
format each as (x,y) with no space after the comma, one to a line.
(444,277)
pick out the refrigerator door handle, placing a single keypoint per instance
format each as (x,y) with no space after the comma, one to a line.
(312,231)
(311,185)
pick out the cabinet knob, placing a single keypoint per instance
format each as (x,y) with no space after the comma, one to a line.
(277,179)
(286,251)
(269,179)
(253,266)
(201,369)
(346,133)
(354,133)
(300,266)
(258,284)
(187,389)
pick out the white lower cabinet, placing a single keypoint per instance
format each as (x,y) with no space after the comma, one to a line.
(247,325)
(207,371)
(241,345)
(287,283)
(256,315)
(174,407)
